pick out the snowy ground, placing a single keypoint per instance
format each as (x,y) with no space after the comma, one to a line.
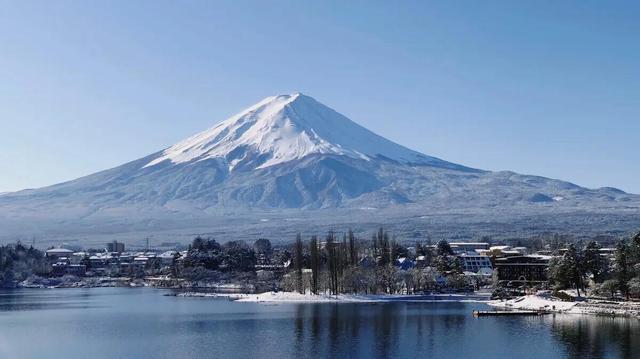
(530,302)
(534,302)
(592,307)
(291,297)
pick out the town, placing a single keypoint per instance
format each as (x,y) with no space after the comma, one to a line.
(342,265)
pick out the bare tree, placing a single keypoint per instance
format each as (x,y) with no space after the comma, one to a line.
(298,263)
(315,264)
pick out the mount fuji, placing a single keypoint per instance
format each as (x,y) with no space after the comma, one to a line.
(288,157)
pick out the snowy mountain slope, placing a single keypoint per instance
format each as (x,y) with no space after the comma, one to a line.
(283,128)
(290,152)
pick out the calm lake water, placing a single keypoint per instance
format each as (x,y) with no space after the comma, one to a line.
(142,323)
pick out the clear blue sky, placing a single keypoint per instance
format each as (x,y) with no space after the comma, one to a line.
(548,88)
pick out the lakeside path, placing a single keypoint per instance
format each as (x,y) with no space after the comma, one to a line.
(291,297)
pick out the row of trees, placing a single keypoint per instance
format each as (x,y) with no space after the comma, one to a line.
(582,266)
(355,266)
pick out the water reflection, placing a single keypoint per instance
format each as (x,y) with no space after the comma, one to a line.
(372,330)
(24,300)
(597,337)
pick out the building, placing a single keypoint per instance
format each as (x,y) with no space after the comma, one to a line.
(523,269)
(404,263)
(115,247)
(62,268)
(473,261)
(166,258)
(58,253)
(468,246)
(501,251)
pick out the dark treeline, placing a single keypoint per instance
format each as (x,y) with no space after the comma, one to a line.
(208,259)
(581,266)
(17,262)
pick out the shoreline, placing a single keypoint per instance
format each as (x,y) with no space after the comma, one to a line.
(545,303)
(291,297)
(554,305)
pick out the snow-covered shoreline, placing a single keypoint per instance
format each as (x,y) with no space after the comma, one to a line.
(534,302)
(554,305)
(291,297)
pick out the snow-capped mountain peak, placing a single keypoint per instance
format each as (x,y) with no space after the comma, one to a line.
(283,128)
(291,152)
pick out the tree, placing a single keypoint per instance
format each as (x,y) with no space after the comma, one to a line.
(314,254)
(457,266)
(634,254)
(568,271)
(634,287)
(442,264)
(559,275)
(609,287)
(386,278)
(353,249)
(398,251)
(206,253)
(594,262)
(175,261)
(333,258)
(384,246)
(621,267)
(264,251)
(572,260)
(284,256)
(445,261)
(297,263)
(18,262)
(427,254)
(238,256)
(443,248)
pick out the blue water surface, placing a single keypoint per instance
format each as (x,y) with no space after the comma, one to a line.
(145,323)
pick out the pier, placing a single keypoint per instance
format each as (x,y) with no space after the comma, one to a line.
(499,313)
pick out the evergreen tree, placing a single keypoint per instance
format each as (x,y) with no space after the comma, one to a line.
(238,256)
(559,275)
(594,262)
(634,254)
(206,253)
(621,267)
(175,270)
(572,260)
(443,248)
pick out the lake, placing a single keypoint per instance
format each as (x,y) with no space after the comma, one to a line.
(144,323)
